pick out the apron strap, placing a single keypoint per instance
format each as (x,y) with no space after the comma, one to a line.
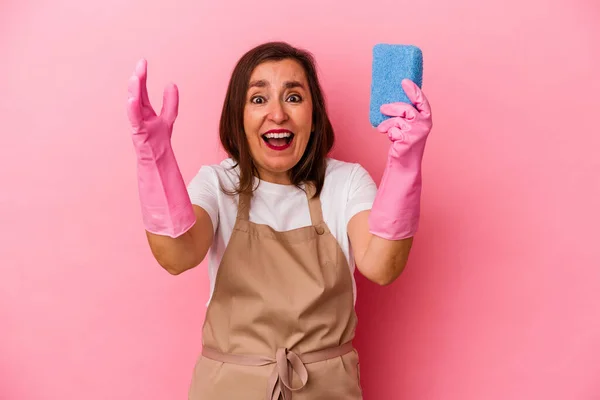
(314,205)
(243,212)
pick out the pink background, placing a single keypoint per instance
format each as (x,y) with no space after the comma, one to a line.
(501,298)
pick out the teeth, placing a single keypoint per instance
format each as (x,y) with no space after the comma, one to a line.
(278,135)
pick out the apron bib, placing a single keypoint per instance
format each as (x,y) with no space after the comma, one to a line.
(281,319)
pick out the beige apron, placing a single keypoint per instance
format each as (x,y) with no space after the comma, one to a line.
(281,319)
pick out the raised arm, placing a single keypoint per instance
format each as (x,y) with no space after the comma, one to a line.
(179,234)
(382,237)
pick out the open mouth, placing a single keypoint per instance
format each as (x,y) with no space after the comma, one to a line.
(278,139)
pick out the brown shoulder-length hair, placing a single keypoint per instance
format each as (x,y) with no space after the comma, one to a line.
(311,167)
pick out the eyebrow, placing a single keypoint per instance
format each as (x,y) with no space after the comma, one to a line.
(261,83)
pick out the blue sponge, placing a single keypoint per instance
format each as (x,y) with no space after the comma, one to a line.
(391,64)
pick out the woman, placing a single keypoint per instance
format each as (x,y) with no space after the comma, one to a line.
(283,226)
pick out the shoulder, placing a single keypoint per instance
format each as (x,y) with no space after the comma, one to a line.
(337,168)
(349,184)
(225,172)
(345,172)
(344,180)
(349,180)
(225,167)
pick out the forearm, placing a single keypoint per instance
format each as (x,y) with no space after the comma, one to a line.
(379,260)
(186,251)
(175,255)
(384,260)
(165,204)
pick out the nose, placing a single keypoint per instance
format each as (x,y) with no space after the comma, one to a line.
(277,112)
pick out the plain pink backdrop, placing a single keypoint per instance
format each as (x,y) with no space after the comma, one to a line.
(501,298)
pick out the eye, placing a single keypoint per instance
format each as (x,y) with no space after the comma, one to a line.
(257,100)
(294,98)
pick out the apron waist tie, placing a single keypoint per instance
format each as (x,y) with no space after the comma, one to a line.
(286,363)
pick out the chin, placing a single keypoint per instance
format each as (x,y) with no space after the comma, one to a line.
(280,164)
(281,161)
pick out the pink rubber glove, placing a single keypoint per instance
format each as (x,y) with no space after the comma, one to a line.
(165,203)
(395,213)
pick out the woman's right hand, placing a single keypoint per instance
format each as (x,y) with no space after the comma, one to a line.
(178,232)
(165,203)
(148,127)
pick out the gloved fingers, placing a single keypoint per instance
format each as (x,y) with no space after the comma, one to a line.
(416,95)
(141,70)
(399,109)
(389,123)
(396,134)
(170,107)
(134,110)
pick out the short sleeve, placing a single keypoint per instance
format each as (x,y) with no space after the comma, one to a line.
(203,191)
(361,193)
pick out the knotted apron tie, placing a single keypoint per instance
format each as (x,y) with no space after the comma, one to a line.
(286,364)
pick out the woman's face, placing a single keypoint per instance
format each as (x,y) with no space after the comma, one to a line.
(278,118)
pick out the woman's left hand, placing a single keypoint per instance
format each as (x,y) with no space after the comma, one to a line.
(382,254)
(409,126)
(396,210)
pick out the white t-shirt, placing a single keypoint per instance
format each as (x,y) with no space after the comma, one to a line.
(347,190)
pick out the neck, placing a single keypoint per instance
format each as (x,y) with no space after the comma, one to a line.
(280,178)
